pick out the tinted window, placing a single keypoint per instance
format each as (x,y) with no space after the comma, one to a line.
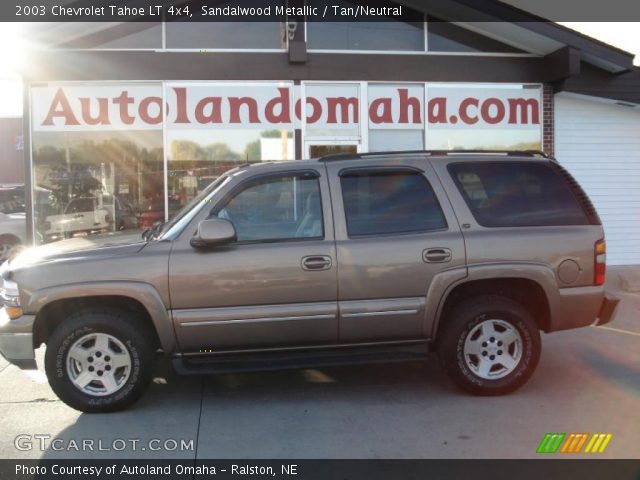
(508,194)
(378,203)
(276,208)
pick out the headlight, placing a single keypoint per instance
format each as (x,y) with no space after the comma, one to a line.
(10,298)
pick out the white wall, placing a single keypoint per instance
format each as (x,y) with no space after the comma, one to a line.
(599,143)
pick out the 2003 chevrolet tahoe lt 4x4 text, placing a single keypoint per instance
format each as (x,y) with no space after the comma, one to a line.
(343,259)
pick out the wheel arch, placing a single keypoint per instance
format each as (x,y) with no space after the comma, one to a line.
(528,290)
(54,304)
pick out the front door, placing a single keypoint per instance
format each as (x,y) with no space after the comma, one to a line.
(276,286)
(395,232)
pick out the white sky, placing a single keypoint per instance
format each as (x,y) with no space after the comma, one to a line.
(623,35)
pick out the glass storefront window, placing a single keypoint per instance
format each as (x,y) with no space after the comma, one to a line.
(382,36)
(223,35)
(94,182)
(396,117)
(97,35)
(385,140)
(99,150)
(217,126)
(447,37)
(385,35)
(332,110)
(484,117)
(198,157)
(97,161)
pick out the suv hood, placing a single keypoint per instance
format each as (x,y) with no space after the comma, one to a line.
(109,244)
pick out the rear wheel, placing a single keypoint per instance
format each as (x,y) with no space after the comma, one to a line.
(99,361)
(489,345)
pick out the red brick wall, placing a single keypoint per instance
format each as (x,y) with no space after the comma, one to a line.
(547,119)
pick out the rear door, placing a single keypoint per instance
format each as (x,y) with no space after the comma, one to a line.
(395,232)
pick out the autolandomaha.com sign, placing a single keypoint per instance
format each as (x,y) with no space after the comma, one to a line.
(282,105)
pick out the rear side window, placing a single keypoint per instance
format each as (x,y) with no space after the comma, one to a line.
(517,194)
(389,202)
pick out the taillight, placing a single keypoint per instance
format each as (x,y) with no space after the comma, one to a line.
(600,265)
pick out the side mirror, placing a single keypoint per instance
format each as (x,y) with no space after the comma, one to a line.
(212,232)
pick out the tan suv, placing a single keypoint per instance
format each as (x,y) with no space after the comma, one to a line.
(343,259)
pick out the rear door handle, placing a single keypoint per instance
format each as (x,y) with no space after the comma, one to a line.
(436,255)
(316,262)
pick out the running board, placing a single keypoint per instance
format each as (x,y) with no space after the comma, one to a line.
(221,363)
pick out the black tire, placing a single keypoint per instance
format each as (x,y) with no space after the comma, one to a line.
(118,324)
(462,320)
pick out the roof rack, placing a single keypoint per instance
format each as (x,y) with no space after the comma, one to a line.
(433,153)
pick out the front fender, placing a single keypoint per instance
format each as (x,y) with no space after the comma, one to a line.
(144,293)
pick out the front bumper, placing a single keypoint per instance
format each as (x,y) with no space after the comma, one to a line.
(16,340)
(607,309)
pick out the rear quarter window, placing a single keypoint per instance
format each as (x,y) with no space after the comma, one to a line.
(517,194)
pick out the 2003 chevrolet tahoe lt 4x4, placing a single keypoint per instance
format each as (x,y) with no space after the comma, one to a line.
(345,259)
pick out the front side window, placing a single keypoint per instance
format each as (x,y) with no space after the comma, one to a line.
(276,208)
(389,202)
(516,194)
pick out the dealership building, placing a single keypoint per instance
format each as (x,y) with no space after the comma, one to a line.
(136,118)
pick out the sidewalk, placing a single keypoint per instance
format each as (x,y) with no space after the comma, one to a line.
(623,278)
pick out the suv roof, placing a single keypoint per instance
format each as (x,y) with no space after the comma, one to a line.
(436,153)
(442,154)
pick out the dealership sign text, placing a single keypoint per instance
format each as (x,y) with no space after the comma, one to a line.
(110,107)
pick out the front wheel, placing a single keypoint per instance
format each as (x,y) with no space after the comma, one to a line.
(99,361)
(489,345)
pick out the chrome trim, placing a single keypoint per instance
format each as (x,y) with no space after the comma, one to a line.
(380,313)
(253,320)
(304,347)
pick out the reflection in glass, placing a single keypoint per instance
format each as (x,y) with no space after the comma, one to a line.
(446,37)
(223,35)
(484,139)
(95,182)
(198,157)
(383,36)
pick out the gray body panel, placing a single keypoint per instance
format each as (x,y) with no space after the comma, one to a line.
(255,294)
(389,268)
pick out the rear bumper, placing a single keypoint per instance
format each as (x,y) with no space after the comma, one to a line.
(607,309)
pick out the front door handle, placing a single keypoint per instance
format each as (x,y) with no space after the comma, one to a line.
(316,262)
(436,255)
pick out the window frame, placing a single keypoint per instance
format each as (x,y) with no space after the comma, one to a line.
(246,183)
(390,169)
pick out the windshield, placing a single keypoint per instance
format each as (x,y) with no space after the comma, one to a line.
(184,216)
